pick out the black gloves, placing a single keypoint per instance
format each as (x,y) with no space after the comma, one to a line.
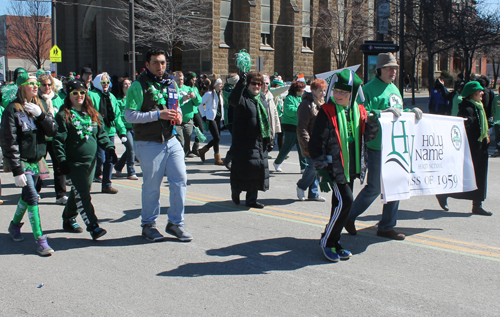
(270,147)
(204,119)
(112,154)
(64,167)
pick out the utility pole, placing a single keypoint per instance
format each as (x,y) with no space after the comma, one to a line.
(131,38)
(54,25)
(401,46)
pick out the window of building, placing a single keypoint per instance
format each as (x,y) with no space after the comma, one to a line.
(306,25)
(265,22)
(225,12)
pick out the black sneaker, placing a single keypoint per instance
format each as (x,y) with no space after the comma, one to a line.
(72,226)
(149,232)
(179,232)
(97,232)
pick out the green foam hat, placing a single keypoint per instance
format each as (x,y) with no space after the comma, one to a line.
(349,81)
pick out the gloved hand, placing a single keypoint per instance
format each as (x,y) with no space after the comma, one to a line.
(418,113)
(114,158)
(269,147)
(123,138)
(20,180)
(32,108)
(325,181)
(64,167)
(396,112)
(373,116)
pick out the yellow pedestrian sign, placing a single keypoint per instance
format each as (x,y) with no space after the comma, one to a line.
(55,54)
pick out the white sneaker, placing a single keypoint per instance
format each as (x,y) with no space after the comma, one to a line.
(62,201)
(277,167)
(301,194)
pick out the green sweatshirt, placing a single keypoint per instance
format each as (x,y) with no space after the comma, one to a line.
(380,96)
(121,105)
(495,110)
(456,101)
(290,107)
(190,108)
(69,146)
(119,128)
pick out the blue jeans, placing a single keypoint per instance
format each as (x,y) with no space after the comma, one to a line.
(368,194)
(100,158)
(107,168)
(29,193)
(309,180)
(290,140)
(157,160)
(128,156)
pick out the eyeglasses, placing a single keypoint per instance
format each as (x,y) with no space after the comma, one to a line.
(105,82)
(256,84)
(47,85)
(78,92)
(31,83)
(342,93)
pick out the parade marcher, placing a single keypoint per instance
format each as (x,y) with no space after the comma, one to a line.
(457,98)
(476,127)
(51,103)
(336,147)
(231,81)
(25,125)
(274,118)
(128,157)
(251,140)
(80,132)
(191,99)
(495,113)
(380,95)
(306,114)
(106,104)
(212,111)
(289,125)
(152,108)
(488,95)
(86,76)
(278,88)
(438,101)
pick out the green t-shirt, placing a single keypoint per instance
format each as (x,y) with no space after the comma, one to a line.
(290,107)
(380,96)
(190,107)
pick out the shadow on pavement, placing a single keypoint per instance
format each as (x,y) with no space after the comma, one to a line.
(426,214)
(292,254)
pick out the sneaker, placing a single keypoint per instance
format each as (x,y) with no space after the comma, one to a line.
(277,167)
(179,232)
(15,231)
(301,194)
(68,182)
(344,254)
(98,179)
(319,198)
(110,190)
(331,254)
(72,226)
(97,232)
(133,177)
(191,155)
(119,174)
(149,232)
(62,200)
(42,247)
(391,234)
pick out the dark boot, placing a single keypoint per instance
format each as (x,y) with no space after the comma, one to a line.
(227,160)
(443,202)
(477,209)
(350,227)
(202,152)
(195,148)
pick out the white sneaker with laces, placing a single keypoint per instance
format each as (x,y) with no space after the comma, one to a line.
(62,201)
(301,194)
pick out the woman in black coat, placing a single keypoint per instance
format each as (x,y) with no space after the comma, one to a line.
(476,126)
(251,140)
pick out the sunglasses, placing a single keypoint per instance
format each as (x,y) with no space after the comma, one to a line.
(256,84)
(79,92)
(339,92)
(31,83)
(105,82)
(47,85)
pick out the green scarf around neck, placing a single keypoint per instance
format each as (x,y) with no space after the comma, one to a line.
(264,125)
(483,121)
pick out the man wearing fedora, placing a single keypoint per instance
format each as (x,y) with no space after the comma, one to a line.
(380,95)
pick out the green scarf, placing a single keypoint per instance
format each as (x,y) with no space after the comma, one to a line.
(483,121)
(83,125)
(265,128)
(344,136)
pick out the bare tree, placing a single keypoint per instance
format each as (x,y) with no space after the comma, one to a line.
(170,22)
(493,53)
(31,33)
(344,27)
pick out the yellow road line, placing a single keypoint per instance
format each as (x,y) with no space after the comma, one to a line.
(290,214)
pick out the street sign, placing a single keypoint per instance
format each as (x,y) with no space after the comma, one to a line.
(55,54)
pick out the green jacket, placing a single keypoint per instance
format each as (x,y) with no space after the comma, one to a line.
(190,108)
(57,102)
(121,106)
(380,96)
(69,146)
(495,110)
(290,107)
(95,96)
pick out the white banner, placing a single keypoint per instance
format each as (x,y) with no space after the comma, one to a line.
(428,157)
(2,68)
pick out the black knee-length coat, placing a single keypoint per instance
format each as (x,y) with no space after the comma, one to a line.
(249,169)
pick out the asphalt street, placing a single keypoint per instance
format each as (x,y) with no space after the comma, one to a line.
(249,262)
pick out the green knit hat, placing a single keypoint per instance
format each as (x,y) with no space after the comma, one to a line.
(22,77)
(470,88)
(348,80)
